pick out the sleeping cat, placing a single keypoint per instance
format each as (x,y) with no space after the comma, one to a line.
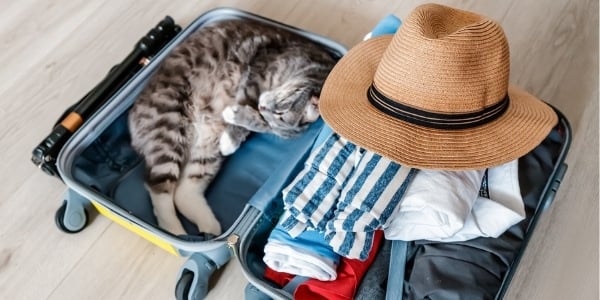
(224,81)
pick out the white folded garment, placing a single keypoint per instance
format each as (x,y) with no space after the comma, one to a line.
(446,206)
(490,217)
(285,258)
(435,205)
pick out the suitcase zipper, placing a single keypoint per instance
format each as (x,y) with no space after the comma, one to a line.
(232,241)
(241,229)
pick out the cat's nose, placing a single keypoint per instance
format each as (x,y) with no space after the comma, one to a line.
(262,107)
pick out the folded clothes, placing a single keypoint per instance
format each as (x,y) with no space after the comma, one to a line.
(447,206)
(311,197)
(344,287)
(306,255)
(373,286)
(435,206)
(366,203)
(497,211)
(346,192)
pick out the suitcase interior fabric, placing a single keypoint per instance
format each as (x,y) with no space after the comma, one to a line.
(475,269)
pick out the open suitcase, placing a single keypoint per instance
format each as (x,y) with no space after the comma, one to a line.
(89,150)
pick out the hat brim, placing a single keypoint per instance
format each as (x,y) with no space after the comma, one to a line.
(345,108)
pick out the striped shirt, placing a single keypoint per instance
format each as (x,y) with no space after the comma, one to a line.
(345,192)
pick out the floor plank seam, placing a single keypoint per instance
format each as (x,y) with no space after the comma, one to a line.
(59,284)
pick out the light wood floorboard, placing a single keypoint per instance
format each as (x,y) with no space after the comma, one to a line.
(52,52)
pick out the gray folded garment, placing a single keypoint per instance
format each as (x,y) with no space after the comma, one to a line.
(373,284)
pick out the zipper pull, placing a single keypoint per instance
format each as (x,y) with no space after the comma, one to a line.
(232,241)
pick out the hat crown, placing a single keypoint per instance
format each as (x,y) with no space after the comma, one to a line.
(445,60)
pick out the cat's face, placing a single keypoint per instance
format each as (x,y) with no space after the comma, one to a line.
(289,109)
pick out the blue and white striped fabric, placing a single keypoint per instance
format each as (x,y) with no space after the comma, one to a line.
(366,203)
(310,199)
(346,192)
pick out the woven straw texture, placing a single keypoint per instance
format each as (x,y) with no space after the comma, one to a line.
(441,60)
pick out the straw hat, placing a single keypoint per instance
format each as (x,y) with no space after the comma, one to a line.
(435,95)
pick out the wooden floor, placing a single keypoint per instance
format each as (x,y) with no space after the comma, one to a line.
(52,52)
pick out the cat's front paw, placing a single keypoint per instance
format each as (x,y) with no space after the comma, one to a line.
(227,145)
(229,114)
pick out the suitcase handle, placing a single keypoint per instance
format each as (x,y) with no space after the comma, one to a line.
(397,268)
(45,154)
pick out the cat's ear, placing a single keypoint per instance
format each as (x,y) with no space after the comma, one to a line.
(314,100)
(311,112)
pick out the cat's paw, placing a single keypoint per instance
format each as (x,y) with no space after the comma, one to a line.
(174,228)
(165,213)
(190,201)
(227,145)
(229,114)
(210,225)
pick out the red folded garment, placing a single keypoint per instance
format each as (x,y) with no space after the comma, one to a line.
(349,274)
(279,278)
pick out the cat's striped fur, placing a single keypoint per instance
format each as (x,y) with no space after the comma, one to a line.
(222,82)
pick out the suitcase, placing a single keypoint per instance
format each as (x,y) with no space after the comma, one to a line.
(89,150)
(540,174)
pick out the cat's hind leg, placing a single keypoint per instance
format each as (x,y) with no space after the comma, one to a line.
(161,181)
(191,202)
(190,199)
(159,135)
(202,166)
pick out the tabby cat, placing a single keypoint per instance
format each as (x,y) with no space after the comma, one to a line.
(225,80)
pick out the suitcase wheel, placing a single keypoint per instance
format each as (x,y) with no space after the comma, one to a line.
(74,222)
(182,289)
(193,277)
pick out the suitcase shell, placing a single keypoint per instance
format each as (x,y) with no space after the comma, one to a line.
(540,174)
(102,171)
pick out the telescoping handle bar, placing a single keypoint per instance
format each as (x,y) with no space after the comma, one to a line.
(45,154)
